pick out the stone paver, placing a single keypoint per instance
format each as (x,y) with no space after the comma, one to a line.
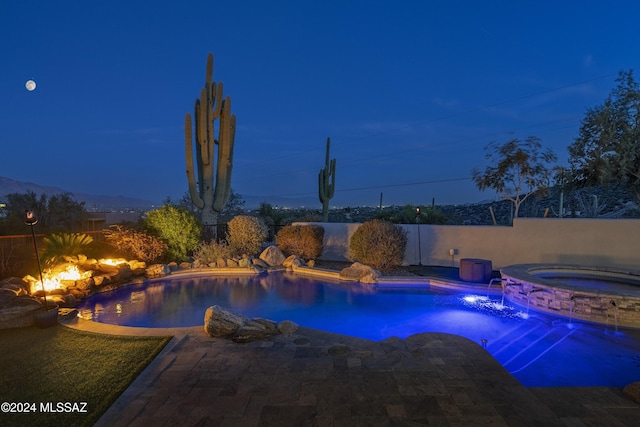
(315,378)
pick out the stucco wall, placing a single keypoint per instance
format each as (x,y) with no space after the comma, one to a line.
(530,240)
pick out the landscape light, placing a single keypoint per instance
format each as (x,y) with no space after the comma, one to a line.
(30,219)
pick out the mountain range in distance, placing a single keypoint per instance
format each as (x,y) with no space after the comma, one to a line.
(92,202)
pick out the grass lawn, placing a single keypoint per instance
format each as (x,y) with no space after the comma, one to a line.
(58,364)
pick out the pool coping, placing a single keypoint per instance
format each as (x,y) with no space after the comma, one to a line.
(523,272)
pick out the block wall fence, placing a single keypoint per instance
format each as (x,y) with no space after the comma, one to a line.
(600,242)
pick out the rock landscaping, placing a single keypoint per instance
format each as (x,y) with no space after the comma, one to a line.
(21,298)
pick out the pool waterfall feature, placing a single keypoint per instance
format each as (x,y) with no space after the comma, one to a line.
(605,295)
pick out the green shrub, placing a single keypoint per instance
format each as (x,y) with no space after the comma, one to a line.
(208,253)
(379,244)
(246,234)
(135,244)
(305,241)
(178,228)
(58,245)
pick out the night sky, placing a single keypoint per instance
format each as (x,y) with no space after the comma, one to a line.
(410,92)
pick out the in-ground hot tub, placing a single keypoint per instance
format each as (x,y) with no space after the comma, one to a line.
(597,294)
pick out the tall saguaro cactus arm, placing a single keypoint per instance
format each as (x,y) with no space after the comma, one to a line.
(327,182)
(209,168)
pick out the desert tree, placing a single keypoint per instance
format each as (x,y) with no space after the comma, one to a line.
(607,148)
(517,170)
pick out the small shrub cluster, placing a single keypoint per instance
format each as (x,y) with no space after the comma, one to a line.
(177,227)
(245,235)
(208,253)
(305,241)
(135,244)
(379,244)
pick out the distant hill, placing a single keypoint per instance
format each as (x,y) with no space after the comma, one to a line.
(92,202)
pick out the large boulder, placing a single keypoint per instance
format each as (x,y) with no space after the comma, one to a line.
(17,311)
(219,322)
(272,256)
(358,272)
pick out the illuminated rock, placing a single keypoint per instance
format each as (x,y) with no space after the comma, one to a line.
(219,322)
(292,262)
(272,256)
(157,270)
(358,272)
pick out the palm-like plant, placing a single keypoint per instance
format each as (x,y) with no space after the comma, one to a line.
(58,245)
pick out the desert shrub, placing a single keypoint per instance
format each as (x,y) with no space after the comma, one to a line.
(379,244)
(58,245)
(178,228)
(135,244)
(305,241)
(208,253)
(245,234)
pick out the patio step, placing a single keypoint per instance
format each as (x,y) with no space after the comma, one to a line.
(521,346)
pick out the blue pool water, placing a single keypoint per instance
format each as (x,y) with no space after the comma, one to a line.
(538,349)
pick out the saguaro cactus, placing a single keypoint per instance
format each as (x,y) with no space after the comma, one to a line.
(207,197)
(327,183)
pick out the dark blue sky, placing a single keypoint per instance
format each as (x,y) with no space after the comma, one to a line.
(409,91)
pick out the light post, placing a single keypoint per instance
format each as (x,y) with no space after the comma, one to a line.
(30,219)
(418,225)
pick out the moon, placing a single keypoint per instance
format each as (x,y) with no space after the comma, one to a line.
(30,85)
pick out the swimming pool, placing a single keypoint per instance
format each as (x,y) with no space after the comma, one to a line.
(540,350)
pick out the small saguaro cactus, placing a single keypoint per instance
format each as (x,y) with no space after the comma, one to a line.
(207,197)
(327,183)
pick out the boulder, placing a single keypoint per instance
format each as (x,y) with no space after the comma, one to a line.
(11,282)
(245,261)
(17,289)
(17,311)
(87,283)
(270,325)
(287,327)
(350,274)
(157,270)
(186,266)
(360,273)
(257,262)
(98,281)
(272,256)
(292,261)
(219,322)
(137,265)
(254,331)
